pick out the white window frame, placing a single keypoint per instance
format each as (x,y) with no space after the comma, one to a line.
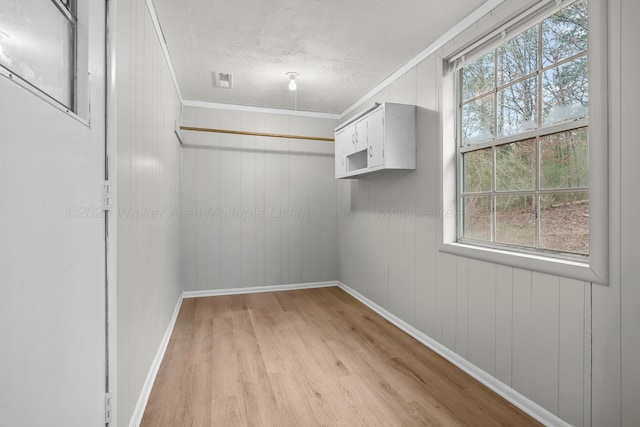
(80,110)
(593,268)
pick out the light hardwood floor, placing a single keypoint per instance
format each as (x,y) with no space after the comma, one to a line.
(315,357)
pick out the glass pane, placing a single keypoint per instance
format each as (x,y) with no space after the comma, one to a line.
(517,107)
(565,92)
(477,169)
(477,217)
(37,44)
(477,121)
(516,220)
(564,34)
(479,76)
(564,222)
(564,160)
(516,166)
(518,57)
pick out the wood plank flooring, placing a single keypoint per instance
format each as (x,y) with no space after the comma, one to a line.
(315,357)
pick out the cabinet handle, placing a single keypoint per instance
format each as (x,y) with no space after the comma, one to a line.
(370,151)
(353,138)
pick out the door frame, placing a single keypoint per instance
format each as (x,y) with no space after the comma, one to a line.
(111,217)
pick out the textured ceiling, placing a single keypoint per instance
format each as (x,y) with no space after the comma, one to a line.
(341,49)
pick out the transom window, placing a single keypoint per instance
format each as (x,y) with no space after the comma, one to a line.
(523,152)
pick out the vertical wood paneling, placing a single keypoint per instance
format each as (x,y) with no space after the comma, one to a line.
(410,82)
(462,306)
(150,255)
(587,357)
(272,197)
(571,341)
(546,317)
(630,206)
(606,357)
(188,224)
(536,326)
(213,190)
(504,323)
(407,214)
(262,200)
(380,202)
(482,315)
(247,205)
(328,221)
(297,180)
(522,331)
(260,203)
(446,299)
(230,225)
(360,252)
(396,284)
(201,220)
(425,295)
(286,202)
(427,216)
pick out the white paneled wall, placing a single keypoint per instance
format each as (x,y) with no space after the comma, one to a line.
(629,33)
(257,210)
(52,245)
(148,182)
(572,347)
(263,211)
(527,329)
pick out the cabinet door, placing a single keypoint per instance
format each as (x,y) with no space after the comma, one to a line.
(342,145)
(361,134)
(375,149)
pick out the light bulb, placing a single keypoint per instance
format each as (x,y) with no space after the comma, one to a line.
(292,80)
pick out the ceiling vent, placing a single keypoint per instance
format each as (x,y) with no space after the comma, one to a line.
(222,80)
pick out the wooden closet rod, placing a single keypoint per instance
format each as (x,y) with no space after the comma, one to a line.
(272,135)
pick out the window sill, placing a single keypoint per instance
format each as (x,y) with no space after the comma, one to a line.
(542,264)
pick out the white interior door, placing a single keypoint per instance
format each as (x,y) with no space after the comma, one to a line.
(52,247)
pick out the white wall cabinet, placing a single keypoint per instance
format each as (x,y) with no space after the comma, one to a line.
(382,138)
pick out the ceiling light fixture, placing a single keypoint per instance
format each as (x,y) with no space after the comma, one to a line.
(3,35)
(292,80)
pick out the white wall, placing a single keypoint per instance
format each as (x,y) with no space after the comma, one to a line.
(531,331)
(257,210)
(630,206)
(52,250)
(148,181)
(616,339)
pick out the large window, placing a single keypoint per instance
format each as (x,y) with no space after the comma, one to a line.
(523,139)
(38,46)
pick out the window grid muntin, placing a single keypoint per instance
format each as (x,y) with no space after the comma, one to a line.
(536,194)
(494,92)
(537,133)
(538,73)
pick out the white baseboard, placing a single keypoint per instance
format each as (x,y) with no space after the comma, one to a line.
(526,405)
(256,289)
(138,411)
